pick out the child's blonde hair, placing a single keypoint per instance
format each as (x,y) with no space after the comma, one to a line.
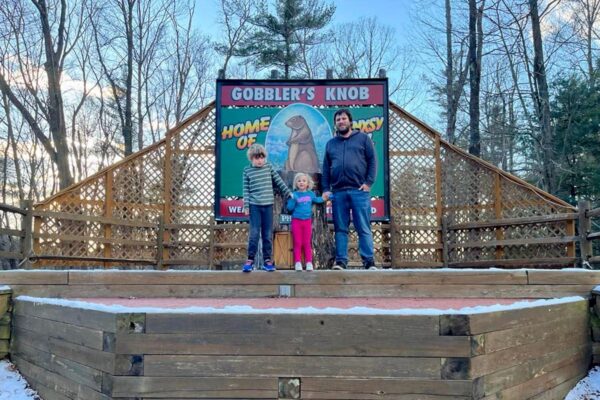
(255,150)
(299,175)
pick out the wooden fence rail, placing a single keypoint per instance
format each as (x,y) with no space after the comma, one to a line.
(159,244)
(24,234)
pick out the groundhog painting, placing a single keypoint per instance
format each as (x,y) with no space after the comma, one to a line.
(302,154)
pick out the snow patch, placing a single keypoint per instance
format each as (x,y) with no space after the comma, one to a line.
(244,309)
(12,385)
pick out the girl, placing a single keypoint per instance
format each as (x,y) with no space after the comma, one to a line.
(260,181)
(301,206)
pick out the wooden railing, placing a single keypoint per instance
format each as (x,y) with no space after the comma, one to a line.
(24,235)
(587,235)
(498,226)
(584,217)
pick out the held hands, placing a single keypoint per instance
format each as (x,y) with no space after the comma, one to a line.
(326,196)
(246,211)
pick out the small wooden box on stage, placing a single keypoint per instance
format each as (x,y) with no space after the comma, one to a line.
(282,250)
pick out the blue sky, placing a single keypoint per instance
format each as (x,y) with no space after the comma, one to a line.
(398,14)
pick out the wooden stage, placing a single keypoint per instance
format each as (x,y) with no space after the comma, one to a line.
(365,335)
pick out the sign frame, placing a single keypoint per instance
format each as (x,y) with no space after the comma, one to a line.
(289,87)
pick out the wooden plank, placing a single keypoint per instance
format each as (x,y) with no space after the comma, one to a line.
(498,213)
(100,360)
(16,277)
(60,384)
(93,218)
(500,320)
(499,222)
(439,202)
(12,232)
(593,213)
(196,387)
(489,363)
(287,324)
(366,389)
(516,242)
(563,277)
(556,323)
(76,372)
(542,383)
(276,366)
(11,255)
(516,263)
(301,344)
(45,392)
(148,261)
(92,319)
(108,210)
(521,373)
(12,209)
(83,291)
(93,339)
(451,291)
(77,238)
(454,277)
(560,391)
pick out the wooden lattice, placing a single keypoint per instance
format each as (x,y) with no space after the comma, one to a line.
(156,207)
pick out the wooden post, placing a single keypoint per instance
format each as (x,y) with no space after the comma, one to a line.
(498,214)
(445,244)
(585,226)
(274,74)
(108,213)
(27,227)
(328,73)
(439,206)
(168,181)
(160,248)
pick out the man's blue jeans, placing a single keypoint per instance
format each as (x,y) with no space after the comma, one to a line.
(261,225)
(359,202)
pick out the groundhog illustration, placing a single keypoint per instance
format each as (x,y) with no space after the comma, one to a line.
(302,154)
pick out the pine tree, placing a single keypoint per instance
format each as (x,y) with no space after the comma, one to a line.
(276,40)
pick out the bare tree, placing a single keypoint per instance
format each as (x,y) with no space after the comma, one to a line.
(542,99)
(234,18)
(41,35)
(475,56)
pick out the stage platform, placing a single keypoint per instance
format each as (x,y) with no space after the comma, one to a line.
(303,347)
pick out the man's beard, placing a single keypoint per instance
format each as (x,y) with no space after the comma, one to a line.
(343,131)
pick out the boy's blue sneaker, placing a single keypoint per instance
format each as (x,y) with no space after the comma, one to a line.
(269,267)
(248,266)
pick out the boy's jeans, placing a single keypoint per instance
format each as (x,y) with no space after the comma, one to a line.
(261,225)
(359,202)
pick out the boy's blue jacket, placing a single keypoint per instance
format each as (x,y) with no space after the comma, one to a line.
(349,162)
(301,204)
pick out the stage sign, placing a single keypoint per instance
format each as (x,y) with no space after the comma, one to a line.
(294,121)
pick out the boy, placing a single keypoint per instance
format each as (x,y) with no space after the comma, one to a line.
(259,182)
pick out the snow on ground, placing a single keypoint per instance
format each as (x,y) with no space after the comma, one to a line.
(12,385)
(588,388)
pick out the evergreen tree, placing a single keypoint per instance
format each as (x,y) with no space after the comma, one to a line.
(577,138)
(276,39)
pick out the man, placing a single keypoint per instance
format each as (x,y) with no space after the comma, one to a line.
(349,169)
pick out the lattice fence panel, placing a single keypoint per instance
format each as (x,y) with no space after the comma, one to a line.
(412,193)
(470,194)
(192,191)
(60,236)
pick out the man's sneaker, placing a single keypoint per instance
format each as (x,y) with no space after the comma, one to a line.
(248,266)
(309,266)
(369,265)
(269,267)
(298,266)
(339,265)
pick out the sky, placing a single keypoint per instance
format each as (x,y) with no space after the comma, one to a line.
(398,14)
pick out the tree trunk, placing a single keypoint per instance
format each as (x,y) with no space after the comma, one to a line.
(450,109)
(475,45)
(542,98)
